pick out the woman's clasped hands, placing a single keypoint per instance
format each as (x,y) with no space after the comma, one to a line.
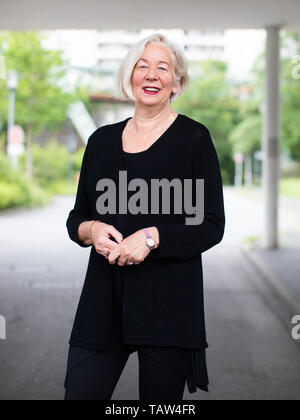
(128,251)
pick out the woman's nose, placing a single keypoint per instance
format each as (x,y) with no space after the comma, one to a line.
(151,73)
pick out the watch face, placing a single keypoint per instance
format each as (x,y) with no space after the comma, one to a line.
(150,242)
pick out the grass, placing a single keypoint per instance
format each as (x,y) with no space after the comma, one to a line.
(251,242)
(63,188)
(290,187)
(287,186)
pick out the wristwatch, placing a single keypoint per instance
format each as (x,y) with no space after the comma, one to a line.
(149,239)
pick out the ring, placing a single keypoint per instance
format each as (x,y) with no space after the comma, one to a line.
(129,263)
(107,254)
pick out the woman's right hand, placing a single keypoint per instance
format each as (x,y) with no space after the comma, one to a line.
(100,234)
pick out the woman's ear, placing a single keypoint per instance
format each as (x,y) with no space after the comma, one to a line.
(176,88)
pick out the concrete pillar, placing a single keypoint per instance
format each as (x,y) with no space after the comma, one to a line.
(271,158)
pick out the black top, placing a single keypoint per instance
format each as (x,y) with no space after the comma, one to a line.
(162,298)
(191,363)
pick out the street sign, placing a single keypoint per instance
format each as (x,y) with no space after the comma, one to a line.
(238,158)
(16,135)
(15,149)
(15,140)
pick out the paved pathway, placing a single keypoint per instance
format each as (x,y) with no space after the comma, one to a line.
(251,355)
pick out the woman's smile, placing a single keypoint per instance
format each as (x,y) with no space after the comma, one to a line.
(151,91)
(148,92)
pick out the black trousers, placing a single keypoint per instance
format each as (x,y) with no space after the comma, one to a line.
(93,375)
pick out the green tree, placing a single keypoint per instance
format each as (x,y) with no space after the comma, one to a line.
(290,89)
(247,136)
(40,100)
(210,99)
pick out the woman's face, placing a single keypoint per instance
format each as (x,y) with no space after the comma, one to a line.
(153,69)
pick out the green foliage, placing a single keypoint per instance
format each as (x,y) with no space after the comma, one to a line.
(51,164)
(210,99)
(246,137)
(63,188)
(40,100)
(16,190)
(77,159)
(290,187)
(290,88)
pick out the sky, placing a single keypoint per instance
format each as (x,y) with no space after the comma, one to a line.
(242,48)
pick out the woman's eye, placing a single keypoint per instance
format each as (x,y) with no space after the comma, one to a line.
(144,67)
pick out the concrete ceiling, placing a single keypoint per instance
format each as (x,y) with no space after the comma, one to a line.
(150,14)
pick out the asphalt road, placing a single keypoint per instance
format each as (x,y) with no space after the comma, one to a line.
(251,352)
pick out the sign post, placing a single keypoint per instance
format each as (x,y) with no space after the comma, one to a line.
(238,178)
(15,144)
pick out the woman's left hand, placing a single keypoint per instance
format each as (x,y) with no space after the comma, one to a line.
(132,249)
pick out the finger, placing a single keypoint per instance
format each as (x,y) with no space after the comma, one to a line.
(113,256)
(122,261)
(109,244)
(115,233)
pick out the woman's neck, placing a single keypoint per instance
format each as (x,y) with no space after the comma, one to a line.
(145,121)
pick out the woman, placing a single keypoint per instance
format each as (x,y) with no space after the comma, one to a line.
(144,288)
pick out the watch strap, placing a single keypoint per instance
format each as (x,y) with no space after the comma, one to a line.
(148,235)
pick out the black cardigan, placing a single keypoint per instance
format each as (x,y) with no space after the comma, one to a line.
(163,296)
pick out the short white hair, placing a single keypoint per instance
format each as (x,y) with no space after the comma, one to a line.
(180,66)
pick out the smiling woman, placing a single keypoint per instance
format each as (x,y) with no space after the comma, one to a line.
(142,58)
(139,297)
(152,90)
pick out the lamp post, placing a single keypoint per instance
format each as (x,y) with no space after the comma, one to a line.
(71,146)
(12,84)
